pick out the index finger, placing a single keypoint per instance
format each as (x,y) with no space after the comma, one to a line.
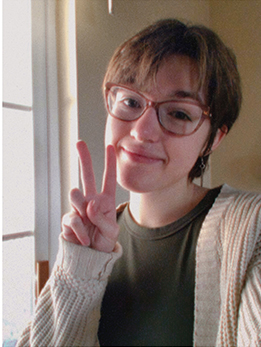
(87,174)
(109,179)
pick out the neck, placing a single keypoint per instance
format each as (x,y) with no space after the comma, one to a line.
(156,209)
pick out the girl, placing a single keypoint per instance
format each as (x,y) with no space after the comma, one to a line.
(178,264)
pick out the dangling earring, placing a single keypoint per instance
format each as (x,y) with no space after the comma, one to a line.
(202,168)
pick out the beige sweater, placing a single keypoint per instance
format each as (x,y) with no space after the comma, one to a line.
(227,292)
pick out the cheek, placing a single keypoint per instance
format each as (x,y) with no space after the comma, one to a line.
(184,151)
(199,140)
(115,130)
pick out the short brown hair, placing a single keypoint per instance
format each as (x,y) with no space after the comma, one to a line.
(138,59)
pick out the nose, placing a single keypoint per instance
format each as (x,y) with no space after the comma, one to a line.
(147,128)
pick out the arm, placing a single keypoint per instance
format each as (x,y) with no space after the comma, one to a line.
(68,309)
(249,323)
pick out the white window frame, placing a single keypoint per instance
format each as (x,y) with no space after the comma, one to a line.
(46,133)
(54,89)
(48,103)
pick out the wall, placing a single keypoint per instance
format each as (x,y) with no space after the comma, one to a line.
(238,160)
(99,33)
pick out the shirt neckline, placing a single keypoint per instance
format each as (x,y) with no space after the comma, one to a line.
(141,232)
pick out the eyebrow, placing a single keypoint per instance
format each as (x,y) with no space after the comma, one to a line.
(186,94)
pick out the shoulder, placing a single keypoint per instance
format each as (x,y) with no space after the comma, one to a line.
(233,202)
(237,216)
(233,207)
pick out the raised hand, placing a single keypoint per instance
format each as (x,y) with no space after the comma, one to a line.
(92,220)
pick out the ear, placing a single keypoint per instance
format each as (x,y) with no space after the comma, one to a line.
(220,135)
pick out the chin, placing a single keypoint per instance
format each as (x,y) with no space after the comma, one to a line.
(131,187)
(142,185)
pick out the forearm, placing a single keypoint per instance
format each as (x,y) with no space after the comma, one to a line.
(68,309)
(249,320)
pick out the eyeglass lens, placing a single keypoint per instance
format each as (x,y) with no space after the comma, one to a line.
(178,117)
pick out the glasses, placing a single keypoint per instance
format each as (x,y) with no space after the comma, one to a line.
(179,117)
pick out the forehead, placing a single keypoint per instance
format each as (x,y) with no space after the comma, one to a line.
(177,75)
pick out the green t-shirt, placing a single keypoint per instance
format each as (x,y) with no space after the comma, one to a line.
(149,300)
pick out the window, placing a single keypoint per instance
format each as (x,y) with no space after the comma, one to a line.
(18,169)
(33,151)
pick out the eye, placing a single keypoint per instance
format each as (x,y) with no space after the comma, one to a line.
(131,102)
(180,115)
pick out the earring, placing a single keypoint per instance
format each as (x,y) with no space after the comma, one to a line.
(202,167)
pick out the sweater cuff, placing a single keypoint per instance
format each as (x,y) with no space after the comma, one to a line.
(84,262)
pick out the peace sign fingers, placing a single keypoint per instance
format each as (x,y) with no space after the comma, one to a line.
(87,175)
(92,221)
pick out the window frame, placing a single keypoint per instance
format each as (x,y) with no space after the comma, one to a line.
(46,131)
(55,108)
(48,103)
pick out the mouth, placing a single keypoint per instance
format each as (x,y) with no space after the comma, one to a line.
(140,156)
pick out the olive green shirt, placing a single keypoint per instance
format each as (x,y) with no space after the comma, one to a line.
(149,300)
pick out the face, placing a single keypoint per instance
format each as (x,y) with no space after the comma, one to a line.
(150,159)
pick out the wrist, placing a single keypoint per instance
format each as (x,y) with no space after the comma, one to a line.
(85,262)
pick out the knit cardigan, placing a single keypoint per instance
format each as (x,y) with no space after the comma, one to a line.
(227,283)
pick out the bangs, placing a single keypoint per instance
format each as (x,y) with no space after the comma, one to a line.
(137,61)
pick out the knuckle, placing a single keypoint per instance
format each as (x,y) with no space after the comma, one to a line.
(66,231)
(77,200)
(76,195)
(66,219)
(74,192)
(71,219)
(76,221)
(113,231)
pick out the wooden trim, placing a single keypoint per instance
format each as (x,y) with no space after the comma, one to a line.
(42,273)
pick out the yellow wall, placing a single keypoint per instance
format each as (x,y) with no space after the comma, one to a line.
(238,162)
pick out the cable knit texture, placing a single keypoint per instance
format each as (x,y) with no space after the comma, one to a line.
(227,290)
(68,309)
(229,253)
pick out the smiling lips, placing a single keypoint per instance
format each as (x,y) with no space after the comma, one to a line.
(141,156)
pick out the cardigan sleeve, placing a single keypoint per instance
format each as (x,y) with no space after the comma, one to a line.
(228,272)
(68,309)
(240,323)
(249,322)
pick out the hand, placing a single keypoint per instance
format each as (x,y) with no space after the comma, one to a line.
(92,220)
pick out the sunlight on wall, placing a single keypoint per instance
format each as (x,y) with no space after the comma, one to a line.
(73,92)
(68,107)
